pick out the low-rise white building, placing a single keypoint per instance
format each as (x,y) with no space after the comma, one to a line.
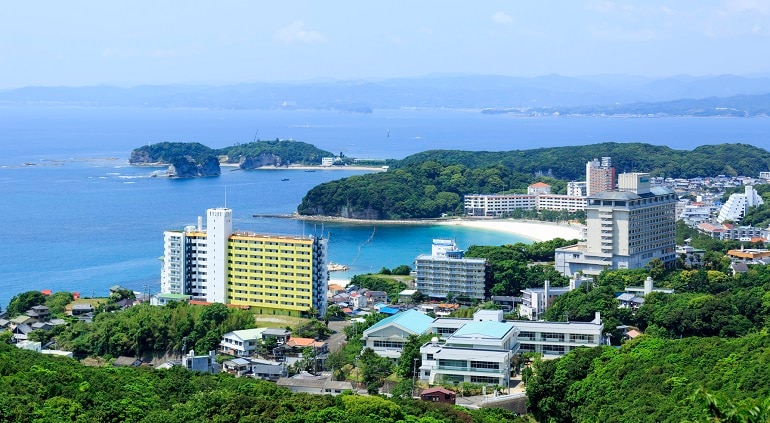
(387,337)
(477,352)
(244,343)
(554,339)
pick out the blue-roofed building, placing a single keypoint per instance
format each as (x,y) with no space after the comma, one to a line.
(387,337)
(390,310)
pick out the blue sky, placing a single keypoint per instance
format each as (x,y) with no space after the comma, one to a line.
(77,43)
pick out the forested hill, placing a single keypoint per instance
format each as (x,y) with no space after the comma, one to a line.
(247,156)
(427,184)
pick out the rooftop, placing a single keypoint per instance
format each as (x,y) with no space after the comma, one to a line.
(412,320)
(488,329)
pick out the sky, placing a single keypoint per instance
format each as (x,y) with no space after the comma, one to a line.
(128,43)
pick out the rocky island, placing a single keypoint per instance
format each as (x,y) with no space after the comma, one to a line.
(191,160)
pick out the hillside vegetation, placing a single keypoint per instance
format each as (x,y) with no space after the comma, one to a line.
(429,184)
(40,388)
(656,380)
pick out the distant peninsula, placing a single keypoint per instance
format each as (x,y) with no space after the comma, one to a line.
(192,159)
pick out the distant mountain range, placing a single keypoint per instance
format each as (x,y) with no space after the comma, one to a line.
(613,94)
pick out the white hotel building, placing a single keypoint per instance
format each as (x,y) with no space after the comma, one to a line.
(538,197)
(625,229)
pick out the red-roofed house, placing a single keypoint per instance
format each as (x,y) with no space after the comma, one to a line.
(300,343)
(539,188)
(438,395)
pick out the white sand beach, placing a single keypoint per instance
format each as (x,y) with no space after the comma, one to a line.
(536,231)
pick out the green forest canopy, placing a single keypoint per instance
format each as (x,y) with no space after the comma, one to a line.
(432,183)
(41,388)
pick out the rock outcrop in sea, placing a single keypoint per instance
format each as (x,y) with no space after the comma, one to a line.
(187,167)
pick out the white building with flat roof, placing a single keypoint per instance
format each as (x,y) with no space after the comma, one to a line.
(554,339)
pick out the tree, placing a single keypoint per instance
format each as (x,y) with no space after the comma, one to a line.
(402,270)
(410,353)
(374,370)
(23,302)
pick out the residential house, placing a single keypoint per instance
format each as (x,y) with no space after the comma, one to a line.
(320,385)
(241,343)
(438,394)
(39,312)
(201,363)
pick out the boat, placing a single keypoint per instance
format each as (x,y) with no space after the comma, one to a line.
(336,267)
(309,170)
(284,179)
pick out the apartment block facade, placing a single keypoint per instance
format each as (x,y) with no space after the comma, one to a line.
(272,274)
(446,271)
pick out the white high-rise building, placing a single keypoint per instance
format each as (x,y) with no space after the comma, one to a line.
(624,229)
(737,205)
(219,226)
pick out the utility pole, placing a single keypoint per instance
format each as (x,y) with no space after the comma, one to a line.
(414,375)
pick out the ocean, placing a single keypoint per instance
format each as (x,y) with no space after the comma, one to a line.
(77,217)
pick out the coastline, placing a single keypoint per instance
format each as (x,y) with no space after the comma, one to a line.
(536,231)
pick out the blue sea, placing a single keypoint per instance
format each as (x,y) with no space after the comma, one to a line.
(77,217)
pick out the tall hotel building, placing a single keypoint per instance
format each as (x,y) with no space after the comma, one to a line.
(271,274)
(625,229)
(600,176)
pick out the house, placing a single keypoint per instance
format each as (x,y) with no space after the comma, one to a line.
(438,394)
(387,337)
(21,331)
(42,326)
(310,384)
(80,309)
(201,363)
(253,367)
(30,345)
(241,343)
(39,312)
(377,297)
(22,319)
(116,289)
(237,366)
(281,336)
(405,296)
(124,361)
(298,344)
(163,299)
(739,268)
(630,300)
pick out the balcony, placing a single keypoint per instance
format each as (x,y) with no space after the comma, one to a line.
(469,369)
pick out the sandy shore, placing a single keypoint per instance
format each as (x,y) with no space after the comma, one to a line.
(536,231)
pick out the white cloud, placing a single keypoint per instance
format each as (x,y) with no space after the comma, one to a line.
(502,18)
(297,33)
